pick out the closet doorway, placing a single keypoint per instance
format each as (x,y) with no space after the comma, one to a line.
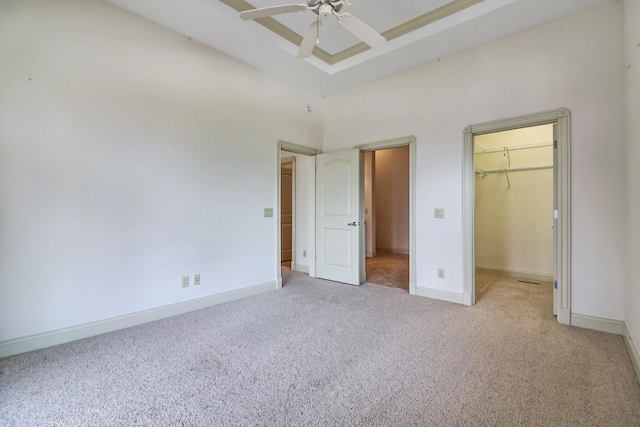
(387,216)
(287,211)
(561,215)
(513,222)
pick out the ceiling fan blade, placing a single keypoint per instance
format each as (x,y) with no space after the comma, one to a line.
(309,41)
(273,10)
(361,30)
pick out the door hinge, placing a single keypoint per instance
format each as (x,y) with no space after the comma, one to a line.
(555,144)
(555,284)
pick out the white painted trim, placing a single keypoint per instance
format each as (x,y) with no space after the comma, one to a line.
(562,118)
(387,143)
(297,149)
(598,323)
(440,295)
(300,268)
(401,142)
(520,274)
(632,350)
(61,336)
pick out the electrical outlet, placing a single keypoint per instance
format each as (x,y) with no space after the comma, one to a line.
(438,213)
(196,280)
(304,254)
(185,281)
(441,273)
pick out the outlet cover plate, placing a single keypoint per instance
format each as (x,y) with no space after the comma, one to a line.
(196,280)
(185,281)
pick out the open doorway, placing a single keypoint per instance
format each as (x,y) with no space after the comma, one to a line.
(514,204)
(287,211)
(386,196)
(296,211)
(560,216)
(308,188)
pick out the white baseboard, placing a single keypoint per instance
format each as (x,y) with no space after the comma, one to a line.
(61,336)
(402,251)
(531,275)
(466,299)
(440,295)
(633,351)
(301,268)
(598,323)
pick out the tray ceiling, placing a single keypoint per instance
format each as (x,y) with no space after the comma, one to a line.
(419,31)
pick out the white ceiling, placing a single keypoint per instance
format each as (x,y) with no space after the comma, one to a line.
(215,24)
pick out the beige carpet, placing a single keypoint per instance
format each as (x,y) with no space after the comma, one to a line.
(320,353)
(388,270)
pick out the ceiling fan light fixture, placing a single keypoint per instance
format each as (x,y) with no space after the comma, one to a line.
(324,9)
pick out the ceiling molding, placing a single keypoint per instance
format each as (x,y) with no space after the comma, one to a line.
(286,33)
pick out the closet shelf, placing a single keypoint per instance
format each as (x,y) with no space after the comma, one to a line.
(484,150)
(526,168)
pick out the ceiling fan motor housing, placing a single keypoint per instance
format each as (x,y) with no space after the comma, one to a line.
(325,11)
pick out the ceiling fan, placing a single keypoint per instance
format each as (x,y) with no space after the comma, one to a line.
(324,9)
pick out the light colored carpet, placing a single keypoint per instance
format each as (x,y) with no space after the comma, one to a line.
(388,270)
(319,353)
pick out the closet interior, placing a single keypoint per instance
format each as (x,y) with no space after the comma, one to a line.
(514,201)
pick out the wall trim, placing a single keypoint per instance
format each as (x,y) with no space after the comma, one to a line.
(297,148)
(499,271)
(632,350)
(440,295)
(74,333)
(598,323)
(301,268)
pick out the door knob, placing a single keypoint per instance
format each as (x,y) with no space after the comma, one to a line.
(354,224)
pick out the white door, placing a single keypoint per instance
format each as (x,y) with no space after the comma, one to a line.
(556,254)
(340,217)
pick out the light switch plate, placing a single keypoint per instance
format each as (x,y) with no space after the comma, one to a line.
(268,212)
(438,213)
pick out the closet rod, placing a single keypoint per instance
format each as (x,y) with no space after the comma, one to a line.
(512,148)
(528,168)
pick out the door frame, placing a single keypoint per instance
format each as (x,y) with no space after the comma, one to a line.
(296,149)
(394,143)
(562,186)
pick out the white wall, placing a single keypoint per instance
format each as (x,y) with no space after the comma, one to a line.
(513,217)
(574,63)
(118,139)
(392,200)
(632,57)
